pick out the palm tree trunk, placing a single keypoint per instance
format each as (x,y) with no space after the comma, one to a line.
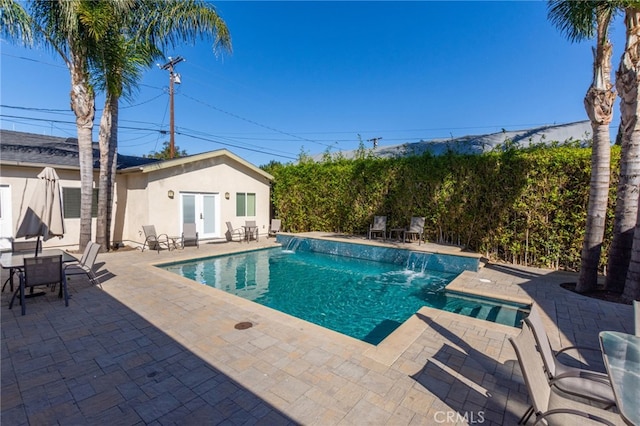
(597,209)
(83,105)
(627,198)
(598,104)
(632,285)
(108,152)
(113,166)
(103,177)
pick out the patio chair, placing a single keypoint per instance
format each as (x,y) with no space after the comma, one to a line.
(233,232)
(549,406)
(274,228)
(153,240)
(379,226)
(24,247)
(250,230)
(190,235)
(85,265)
(40,271)
(416,228)
(587,384)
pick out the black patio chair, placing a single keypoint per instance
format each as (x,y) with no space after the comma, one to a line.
(41,271)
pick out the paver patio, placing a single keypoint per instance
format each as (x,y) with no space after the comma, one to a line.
(150,347)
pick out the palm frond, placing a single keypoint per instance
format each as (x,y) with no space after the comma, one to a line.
(15,22)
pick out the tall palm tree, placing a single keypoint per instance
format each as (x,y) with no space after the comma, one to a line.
(138,40)
(115,71)
(627,195)
(77,30)
(580,20)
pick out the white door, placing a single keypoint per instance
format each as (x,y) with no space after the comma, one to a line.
(6,222)
(204,211)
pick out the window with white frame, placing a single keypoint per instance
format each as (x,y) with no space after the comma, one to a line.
(245,204)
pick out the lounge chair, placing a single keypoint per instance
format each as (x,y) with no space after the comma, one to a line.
(40,271)
(190,235)
(250,230)
(153,240)
(416,228)
(274,228)
(86,263)
(234,232)
(549,406)
(379,226)
(587,384)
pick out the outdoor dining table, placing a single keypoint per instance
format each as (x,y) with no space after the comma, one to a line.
(175,242)
(248,232)
(621,355)
(15,261)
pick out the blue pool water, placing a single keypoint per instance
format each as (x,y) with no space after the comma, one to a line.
(361,298)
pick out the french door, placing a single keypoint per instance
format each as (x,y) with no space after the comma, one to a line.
(6,228)
(203,210)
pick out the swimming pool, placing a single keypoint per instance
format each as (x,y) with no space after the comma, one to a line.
(361,298)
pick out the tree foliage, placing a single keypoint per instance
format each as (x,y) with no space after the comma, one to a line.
(521,206)
(163,154)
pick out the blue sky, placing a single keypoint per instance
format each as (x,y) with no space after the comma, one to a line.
(317,76)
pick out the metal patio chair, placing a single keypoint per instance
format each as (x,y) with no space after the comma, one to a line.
(153,240)
(548,406)
(190,235)
(24,247)
(234,232)
(274,228)
(86,263)
(416,228)
(40,271)
(379,226)
(587,384)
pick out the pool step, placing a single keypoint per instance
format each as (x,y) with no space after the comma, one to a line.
(489,313)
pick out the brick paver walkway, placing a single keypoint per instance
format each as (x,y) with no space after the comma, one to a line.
(150,347)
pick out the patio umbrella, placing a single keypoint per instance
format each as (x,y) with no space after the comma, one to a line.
(43,216)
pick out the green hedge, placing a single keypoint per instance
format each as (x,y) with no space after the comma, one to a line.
(520,206)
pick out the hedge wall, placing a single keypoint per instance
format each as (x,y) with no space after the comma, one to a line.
(520,206)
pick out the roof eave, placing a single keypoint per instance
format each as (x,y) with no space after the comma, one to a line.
(30,164)
(147,168)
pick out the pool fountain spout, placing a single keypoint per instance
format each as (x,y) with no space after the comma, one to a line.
(293,245)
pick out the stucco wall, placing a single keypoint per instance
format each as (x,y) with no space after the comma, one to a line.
(148,202)
(141,197)
(21,182)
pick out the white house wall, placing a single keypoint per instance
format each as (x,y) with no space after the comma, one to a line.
(21,181)
(148,202)
(141,197)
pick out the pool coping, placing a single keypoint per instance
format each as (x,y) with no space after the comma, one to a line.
(427,247)
(397,342)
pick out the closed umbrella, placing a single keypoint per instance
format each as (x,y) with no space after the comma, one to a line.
(43,216)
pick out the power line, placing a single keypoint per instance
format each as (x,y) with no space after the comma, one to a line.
(235,146)
(271,153)
(256,123)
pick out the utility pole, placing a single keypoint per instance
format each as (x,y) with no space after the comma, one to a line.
(375,141)
(173,78)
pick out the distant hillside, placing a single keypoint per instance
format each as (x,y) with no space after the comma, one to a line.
(580,131)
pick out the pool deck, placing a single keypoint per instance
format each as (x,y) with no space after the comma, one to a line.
(150,347)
